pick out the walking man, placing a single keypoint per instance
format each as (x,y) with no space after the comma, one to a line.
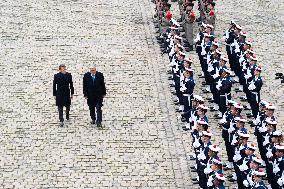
(63,92)
(94,91)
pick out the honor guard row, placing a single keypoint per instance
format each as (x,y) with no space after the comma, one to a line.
(218,69)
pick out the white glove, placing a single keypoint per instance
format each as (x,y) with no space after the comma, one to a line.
(215,75)
(269,153)
(266,140)
(210,68)
(251,86)
(197,38)
(276,169)
(237,157)
(243,167)
(210,181)
(223,120)
(196,144)
(207,170)
(201,156)
(231,129)
(183,88)
(246,184)
(262,129)
(280,181)
(203,52)
(176,70)
(234,141)
(247,76)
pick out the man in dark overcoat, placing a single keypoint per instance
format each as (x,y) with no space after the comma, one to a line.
(94,91)
(63,92)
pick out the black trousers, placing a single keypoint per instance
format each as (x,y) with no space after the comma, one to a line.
(96,111)
(60,111)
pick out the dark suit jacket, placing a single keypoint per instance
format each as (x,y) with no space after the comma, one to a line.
(94,89)
(62,87)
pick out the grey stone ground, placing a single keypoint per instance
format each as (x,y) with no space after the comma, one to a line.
(142,145)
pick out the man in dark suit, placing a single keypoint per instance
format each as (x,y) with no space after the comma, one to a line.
(94,91)
(63,92)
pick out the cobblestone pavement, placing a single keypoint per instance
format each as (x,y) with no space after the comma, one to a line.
(142,145)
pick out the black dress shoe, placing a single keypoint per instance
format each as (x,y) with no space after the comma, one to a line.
(99,125)
(93,122)
(61,124)
(194,179)
(230,176)
(232,180)
(193,170)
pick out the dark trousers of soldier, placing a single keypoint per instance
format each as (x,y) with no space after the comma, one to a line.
(229,149)
(207,75)
(60,111)
(254,99)
(215,93)
(223,102)
(204,68)
(240,178)
(177,89)
(234,62)
(261,148)
(269,172)
(202,176)
(229,55)
(238,71)
(242,79)
(187,103)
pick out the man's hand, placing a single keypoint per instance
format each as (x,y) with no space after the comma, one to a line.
(72,97)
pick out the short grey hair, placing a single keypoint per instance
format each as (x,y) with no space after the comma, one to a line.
(93,66)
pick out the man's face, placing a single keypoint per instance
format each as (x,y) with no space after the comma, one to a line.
(63,69)
(199,112)
(249,152)
(269,112)
(208,30)
(279,154)
(210,153)
(93,70)
(253,165)
(256,73)
(205,139)
(239,124)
